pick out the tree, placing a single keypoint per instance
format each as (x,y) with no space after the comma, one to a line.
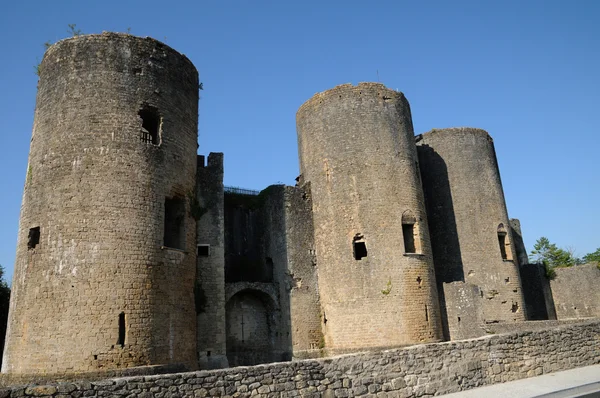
(4,301)
(592,257)
(551,255)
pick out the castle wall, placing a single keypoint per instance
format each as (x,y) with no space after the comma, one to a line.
(357,150)
(114,139)
(302,289)
(470,231)
(575,291)
(422,370)
(256,262)
(209,291)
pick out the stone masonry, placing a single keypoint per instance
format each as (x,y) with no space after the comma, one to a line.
(133,258)
(418,371)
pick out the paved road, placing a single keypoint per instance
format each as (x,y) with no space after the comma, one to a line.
(580,382)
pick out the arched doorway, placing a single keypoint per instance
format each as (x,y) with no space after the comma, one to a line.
(249,328)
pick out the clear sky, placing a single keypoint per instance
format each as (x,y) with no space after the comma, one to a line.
(528,72)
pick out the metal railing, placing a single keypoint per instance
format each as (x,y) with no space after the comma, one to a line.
(240,191)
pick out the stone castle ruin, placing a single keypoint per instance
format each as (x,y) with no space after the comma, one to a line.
(131,252)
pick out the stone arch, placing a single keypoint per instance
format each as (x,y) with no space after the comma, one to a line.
(250,327)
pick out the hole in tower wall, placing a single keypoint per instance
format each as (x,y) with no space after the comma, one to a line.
(203,250)
(409,238)
(122,330)
(504,243)
(33,238)
(359,248)
(174,234)
(150,132)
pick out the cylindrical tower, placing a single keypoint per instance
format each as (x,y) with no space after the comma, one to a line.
(468,221)
(105,260)
(375,270)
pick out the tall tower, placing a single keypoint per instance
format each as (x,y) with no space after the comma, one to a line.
(106,255)
(375,270)
(469,225)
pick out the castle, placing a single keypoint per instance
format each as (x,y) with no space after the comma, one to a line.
(131,252)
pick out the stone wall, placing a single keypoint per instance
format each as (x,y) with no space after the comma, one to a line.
(470,232)
(418,371)
(106,258)
(375,270)
(575,291)
(209,291)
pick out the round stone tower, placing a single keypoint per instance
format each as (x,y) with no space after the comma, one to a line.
(468,220)
(375,270)
(105,261)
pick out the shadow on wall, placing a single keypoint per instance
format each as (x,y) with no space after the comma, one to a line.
(252,329)
(447,256)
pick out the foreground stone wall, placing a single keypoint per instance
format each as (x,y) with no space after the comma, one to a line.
(418,371)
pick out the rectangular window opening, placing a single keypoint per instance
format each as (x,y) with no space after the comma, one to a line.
(174,234)
(204,250)
(359,249)
(33,238)
(122,331)
(502,243)
(150,125)
(408,231)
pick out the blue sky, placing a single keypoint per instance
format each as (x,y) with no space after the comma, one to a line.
(528,72)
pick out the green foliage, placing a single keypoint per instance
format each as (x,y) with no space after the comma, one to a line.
(73,31)
(592,257)
(388,287)
(551,255)
(196,210)
(550,272)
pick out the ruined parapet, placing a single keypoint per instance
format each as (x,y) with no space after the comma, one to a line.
(106,255)
(575,291)
(517,235)
(470,231)
(209,289)
(375,270)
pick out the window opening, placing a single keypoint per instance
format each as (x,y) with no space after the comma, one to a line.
(122,330)
(151,122)
(204,250)
(359,247)
(174,223)
(33,238)
(504,243)
(410,233)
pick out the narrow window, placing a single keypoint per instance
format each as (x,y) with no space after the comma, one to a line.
(150,132)
(203,250)
(410,233)
(504,243)
(359,247)
(122,330)
(33,238)
(174,223)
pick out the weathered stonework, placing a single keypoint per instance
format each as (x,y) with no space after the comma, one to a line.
(356,147)
(575,291)
(95,286)
(418,371)
(470,231)
(133,258)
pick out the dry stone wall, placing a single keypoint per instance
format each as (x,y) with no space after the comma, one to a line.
(418,371)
